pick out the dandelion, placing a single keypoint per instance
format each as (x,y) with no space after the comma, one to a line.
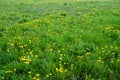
(112,61)
(65,63)
(29,72)
(47,75)
(63,49)
(88,53)
(113,53)
(111,46)
(65,55)
(25,45)
(3,77)
(99,60)
(8,50)
(31,52)
(21,46)
(22,58)
(59,51)
(57,69)
(60,65)
(38,79)
(108,51)
(30,76)
(50,74)
(34,78)
(65,70)
(15,69)
(60,54)
(118,60)
(11,44)
(102,48)
(37,74)
(36,56)
(106,46)
(9,71)
(60,58)
(61,70)
(79,57)
(27,62)
(51,49)
(102,62)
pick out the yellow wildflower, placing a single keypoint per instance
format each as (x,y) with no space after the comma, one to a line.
(50,74)
(37,74)
(51,49)
(3,77)
(57,69)
(47,75)
(79,57)
(60,58)
(88,53)
(27,62)
(61,69)
(36,56)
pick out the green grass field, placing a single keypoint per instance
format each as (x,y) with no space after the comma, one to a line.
(59,40)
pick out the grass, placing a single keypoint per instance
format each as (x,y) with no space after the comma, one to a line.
(59,40)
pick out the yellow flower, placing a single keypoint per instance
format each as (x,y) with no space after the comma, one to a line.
(65,70)
(3,77)
(79,57)
(61,69)
(34,78)
(63,49)
(37,74)
(15,69)
(111,46)
(9,71)
(27,62)
(21,46)
(59,51)
(102,62)
(29,72)
(51,49)
(118,60)
(57,69)
(88,53)
(36,56)
(50,74)
(60,64)
(60,58)
(98,60)
(60,54)
(106,46)
(31,52)
(30,76)
(11,44)
(8,50)
(113,53)
(112,61)
(22,59)
(47,75)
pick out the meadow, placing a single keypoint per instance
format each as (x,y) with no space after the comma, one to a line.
(59,40)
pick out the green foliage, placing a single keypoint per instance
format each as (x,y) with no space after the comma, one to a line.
(59,40)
